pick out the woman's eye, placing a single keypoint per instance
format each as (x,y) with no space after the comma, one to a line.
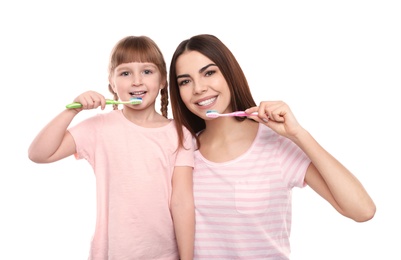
(210,73)
(183,82)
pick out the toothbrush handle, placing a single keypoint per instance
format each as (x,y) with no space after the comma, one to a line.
(242,113)
(79,105)
(74,105)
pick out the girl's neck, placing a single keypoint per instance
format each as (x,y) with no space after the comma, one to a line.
(147,117)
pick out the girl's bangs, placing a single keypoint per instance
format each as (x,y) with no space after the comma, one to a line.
(127,54)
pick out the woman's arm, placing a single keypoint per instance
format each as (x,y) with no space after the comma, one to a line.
(326,175)
(335,183)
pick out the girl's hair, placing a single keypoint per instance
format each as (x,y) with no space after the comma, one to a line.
(140,49)
(215,50)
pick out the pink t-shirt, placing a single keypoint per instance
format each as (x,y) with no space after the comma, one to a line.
(133,166)
(243,206)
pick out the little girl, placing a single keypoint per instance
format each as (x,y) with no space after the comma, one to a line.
(145,207)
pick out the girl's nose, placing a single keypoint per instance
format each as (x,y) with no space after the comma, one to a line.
(137,81)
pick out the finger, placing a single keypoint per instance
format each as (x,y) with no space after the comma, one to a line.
(277,115)
(103,104)
(89,103)
(251,110)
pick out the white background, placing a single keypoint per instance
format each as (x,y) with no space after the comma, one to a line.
(336,63)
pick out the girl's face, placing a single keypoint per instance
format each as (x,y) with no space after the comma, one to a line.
(202,85)
(137,79)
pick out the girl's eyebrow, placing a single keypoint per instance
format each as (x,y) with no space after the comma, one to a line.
(143,65)
(200,71)
(122,67)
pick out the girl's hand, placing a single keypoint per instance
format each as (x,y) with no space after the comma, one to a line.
(91,100)
(278,116)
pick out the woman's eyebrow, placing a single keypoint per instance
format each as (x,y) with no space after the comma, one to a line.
(207,66)
(200,71)
(183,76)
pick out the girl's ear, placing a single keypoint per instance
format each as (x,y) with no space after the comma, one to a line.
(113,88)
(163,84)
(111,85)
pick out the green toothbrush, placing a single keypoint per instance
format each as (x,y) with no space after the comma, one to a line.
(132,101)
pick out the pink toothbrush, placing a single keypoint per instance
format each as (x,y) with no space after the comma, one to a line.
(215,114)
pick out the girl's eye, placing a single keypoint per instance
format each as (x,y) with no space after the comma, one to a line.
(148,72)
(124,73)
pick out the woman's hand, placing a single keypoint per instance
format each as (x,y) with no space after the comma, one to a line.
(278,116)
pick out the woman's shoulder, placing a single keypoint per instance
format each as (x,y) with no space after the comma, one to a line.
(265,132)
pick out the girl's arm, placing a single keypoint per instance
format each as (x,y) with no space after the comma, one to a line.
(54,142)
(327,176)
(183,211)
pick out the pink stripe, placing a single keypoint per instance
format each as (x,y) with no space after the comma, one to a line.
(264,247)
(228,257)
(251,240)
(242,224)
(272,197)
(238,232)
(240,216)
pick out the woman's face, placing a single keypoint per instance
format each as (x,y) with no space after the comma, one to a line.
(201,84)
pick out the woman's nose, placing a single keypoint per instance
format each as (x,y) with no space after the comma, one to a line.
(199,88)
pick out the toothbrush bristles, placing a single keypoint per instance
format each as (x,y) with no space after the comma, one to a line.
(212,113)
(135,100)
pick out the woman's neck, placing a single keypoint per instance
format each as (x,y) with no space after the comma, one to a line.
(225,140)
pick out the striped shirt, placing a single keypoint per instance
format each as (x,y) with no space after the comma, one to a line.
(243,206)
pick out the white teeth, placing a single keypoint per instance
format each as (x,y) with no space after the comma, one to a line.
(207,102)
(137,92)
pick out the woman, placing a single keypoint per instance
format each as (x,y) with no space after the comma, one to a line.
(246,167)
